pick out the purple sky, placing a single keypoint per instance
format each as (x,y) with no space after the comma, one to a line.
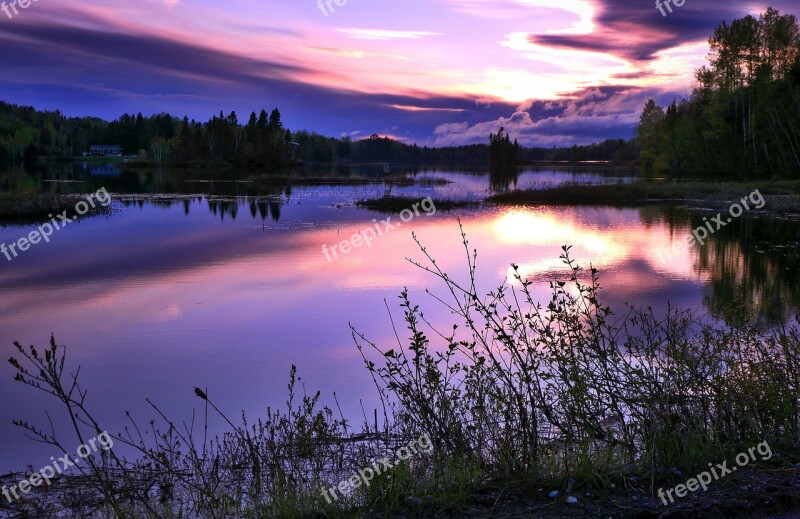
(435,72)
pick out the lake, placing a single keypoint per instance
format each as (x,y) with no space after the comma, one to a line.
(213,286)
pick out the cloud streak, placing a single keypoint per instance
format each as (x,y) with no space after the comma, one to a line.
(437,72)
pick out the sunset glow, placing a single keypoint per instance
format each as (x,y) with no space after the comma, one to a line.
(435,72)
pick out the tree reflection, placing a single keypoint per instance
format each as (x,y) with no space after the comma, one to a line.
(752,264)
(501,178)
(754,269)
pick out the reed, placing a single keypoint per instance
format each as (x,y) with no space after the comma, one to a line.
(517,392)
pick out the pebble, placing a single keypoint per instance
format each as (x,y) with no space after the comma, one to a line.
(413,501)
(572,500)
(553,494)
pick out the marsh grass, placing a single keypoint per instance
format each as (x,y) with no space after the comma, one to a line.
(517,393)
(393,204)
(785,194)
(22,208)
(397,179)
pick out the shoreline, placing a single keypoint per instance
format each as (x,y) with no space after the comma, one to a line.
(782,196)
(20,208)
(759,493)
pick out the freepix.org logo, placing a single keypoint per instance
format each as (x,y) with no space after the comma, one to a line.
(368,235)
(59,466)
(11,9)
(58,222)
(709,227)
(380,466)
(660,5)
(718,471)
(327,5)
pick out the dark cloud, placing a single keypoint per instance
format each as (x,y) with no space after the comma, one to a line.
(636,31)
(103,72)
(590,115)
(634,75)
(92,72)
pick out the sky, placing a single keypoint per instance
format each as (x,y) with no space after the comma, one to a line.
(432,72)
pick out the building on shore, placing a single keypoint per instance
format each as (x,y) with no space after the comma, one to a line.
(105,150)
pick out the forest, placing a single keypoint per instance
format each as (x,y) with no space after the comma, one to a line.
(742,120)
(28,135)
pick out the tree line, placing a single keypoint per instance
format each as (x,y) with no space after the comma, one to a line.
(163,138)
(502,152)
(613,150)
(742,120)
(27,135)
(375,148)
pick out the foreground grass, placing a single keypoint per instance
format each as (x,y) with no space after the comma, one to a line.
(653,192)
(515,395)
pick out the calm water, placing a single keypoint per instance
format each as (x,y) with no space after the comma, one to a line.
(227,292)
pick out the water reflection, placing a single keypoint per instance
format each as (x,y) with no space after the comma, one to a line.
(501,179)
(204,288)
(101,169)
(753,263)
(750,265)
(466,183)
